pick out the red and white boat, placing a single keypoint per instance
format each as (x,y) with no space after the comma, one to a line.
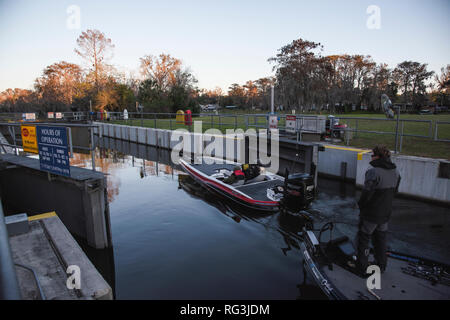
(265,192)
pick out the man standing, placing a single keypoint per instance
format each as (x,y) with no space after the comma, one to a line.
(380,185)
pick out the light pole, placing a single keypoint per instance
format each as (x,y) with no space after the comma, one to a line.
(386,104)
(272,99)
(397,109)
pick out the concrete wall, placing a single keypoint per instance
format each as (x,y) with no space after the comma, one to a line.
(419,177)
(162,139)
(133,134)
(80,200)
(125,132)
(330,161)
(142,135)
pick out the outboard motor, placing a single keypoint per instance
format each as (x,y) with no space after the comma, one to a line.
(298,191)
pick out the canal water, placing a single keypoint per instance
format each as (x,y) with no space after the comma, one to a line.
(173,240)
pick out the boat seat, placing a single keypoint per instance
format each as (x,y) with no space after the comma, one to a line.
(259,178)
(238,183)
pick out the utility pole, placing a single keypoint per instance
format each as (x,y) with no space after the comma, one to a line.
(272,101)
(91,116)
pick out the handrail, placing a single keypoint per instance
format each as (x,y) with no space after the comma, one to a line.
(9,286)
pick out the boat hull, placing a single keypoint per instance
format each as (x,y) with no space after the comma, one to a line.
(229,192)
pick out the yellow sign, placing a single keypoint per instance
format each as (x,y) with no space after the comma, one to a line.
(29,140)
(180,117)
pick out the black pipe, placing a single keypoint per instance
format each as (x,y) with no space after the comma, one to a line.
(9,287)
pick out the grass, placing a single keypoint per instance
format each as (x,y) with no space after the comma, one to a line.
(424,146)
(418,146)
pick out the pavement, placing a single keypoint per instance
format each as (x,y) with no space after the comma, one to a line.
(48,249)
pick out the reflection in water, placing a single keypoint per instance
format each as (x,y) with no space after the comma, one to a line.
(110,161)
(169,242)
(287,225)
(174,240)
(142,206)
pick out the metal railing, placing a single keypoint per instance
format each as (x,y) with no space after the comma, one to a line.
(9,286)
(219,121)
(402,123)
(39,116)
(257,121)
(436,133)
(398,135)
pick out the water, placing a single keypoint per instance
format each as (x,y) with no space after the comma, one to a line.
(172,240)
(169,244)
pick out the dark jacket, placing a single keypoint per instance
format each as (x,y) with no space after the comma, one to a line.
(380,185)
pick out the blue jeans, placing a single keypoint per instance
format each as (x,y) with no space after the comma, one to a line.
(377,232)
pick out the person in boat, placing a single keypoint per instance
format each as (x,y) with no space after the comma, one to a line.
(251,171)
(237,176)
(380,185)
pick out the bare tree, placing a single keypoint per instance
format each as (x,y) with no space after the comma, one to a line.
(96,49)
(162,69)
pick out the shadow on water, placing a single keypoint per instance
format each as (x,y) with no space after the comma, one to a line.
(103,260)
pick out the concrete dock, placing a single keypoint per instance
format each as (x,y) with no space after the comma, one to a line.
(45,253)
(80,200)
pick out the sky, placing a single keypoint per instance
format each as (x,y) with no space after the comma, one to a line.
(222,42)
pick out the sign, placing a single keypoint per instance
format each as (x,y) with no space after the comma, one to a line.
(28,116)
(29,141)
(53,150)
(291,124)
(273,122)
(59,115)
(51,115)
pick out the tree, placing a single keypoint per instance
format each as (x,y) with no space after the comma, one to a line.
(378,81)
(96,49)
(58,85)
(264,86)
(18,100)
(150,96)
(296,67)
(107,98)
(125,96)
(168,86)
(237,94)
(251,91)
(162,70)
(213,96)
(410,77)
(443,84)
